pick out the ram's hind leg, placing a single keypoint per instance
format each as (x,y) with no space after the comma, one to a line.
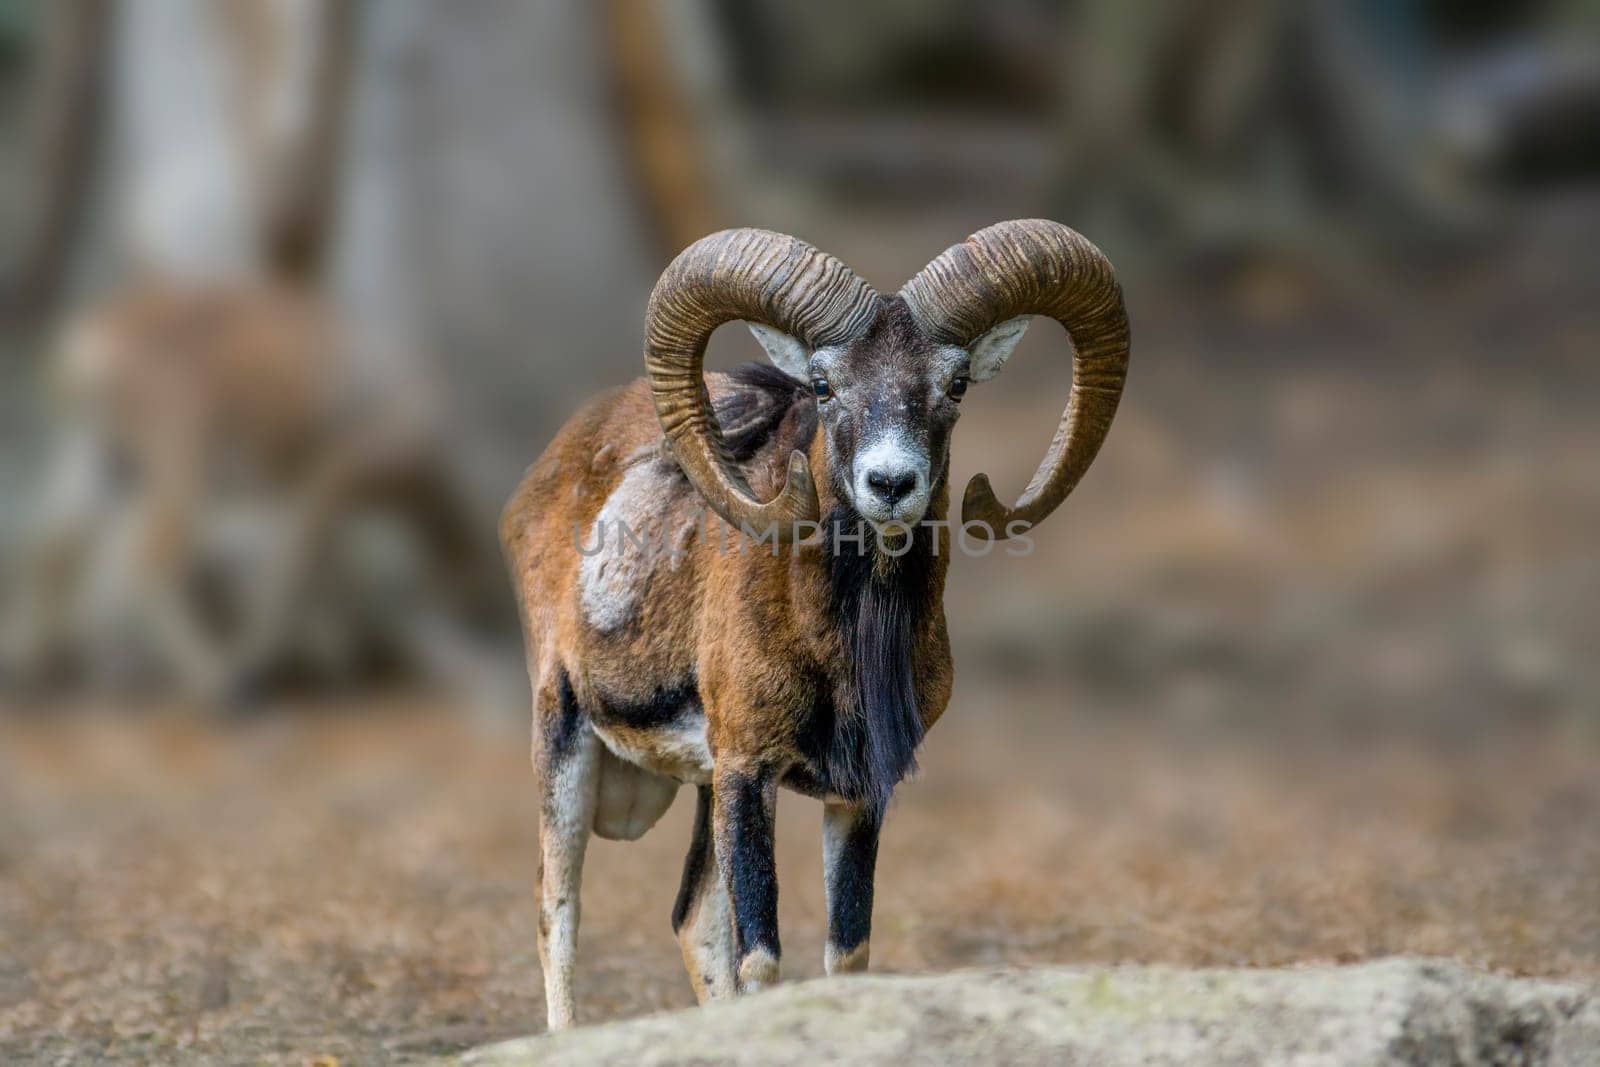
(567,754)
(702,918)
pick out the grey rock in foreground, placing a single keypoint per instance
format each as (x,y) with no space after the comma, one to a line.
(1391,1012)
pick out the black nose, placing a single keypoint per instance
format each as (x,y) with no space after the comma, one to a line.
(892,485)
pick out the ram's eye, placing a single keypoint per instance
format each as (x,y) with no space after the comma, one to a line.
(821,389)
(958,387)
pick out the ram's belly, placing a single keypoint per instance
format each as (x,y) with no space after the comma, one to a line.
(676,749)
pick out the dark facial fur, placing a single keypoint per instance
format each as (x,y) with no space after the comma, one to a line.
(889,415)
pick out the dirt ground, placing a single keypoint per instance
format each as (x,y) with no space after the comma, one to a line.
(357,883)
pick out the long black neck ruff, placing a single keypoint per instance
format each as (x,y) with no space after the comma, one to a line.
(880,604)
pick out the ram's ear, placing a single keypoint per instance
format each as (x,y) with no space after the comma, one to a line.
(990,352)
(786,353)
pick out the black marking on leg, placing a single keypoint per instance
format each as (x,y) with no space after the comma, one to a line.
(561,730)
(752,871)
(696,867)
(850,882)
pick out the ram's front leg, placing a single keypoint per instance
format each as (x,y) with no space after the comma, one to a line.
(745,803)
(849,859)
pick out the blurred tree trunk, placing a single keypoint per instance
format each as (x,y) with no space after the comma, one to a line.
(293,58)
(64,135)
(666,146)
(180,185)
(224,163)
(489,235)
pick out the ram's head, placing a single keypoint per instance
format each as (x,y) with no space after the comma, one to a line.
(888,373)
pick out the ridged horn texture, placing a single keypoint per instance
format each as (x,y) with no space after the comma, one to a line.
(758,276)
(1033,267)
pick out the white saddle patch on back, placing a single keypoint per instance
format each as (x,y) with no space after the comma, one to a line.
(646,520)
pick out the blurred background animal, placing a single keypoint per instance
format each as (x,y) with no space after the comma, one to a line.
(245,489)
(202,525)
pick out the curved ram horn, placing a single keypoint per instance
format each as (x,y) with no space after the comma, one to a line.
(1033,267)
(758,276)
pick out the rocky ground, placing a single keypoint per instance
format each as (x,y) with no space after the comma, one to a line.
(1399,1012)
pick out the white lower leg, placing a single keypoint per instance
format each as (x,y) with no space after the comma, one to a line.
(707,942)
(564,825)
